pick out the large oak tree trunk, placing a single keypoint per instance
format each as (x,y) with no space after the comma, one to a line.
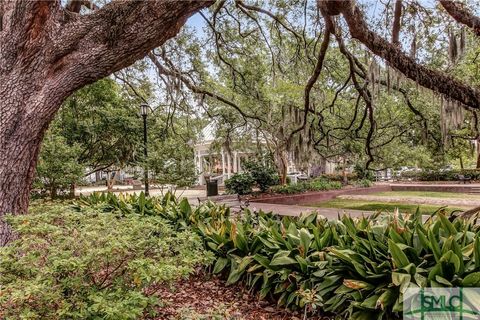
(25,114)
(46,53)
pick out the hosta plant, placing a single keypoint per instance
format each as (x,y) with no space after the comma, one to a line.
(351,268)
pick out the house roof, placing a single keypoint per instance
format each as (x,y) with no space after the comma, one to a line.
(208,133)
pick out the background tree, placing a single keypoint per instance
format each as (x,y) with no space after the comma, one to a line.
(58,168)
(104,122)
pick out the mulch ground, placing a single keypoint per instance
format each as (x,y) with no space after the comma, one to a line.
(206,297)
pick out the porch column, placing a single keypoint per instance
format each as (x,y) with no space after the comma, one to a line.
(223,163)
(200,169)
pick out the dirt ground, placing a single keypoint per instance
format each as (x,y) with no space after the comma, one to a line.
(206,297)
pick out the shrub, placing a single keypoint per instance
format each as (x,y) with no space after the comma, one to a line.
(240,183)
(364,183)
(363,173)
(354,268)
(436,175)
(264,175)
(289,188)
(318,184)
(322,184)
(90,264)
(58,169)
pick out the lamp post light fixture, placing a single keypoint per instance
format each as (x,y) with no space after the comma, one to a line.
(144,112)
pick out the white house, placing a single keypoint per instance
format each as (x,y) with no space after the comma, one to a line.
(221,165)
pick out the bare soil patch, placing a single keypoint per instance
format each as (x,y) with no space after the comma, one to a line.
(203,296)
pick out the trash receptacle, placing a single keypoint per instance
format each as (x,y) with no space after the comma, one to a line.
(212,188)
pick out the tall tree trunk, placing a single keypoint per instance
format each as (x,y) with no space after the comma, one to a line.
(344,171)
(282,165)
(20,138)
(478,153)
(72,191)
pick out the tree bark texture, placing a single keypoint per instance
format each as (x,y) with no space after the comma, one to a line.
(47,52)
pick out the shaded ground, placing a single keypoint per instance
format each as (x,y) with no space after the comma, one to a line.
(206,297)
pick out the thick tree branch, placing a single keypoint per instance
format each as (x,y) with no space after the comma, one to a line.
(428,78)
(93,46)
(461,15)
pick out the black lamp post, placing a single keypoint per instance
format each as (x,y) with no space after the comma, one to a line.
(144,111)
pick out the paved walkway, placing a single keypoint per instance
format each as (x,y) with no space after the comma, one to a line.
(292,210)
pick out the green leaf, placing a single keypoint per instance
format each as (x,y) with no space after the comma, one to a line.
(305,240)
(443,281)
(264,261)
(402,280)
(238,237)
(472,280)
(434,245)
(282,261)
(185,207)
(220,265)
(370,302)
(302,262)
(447,225)
(386,299)
(238,270)
(451,257)
(398,256)
(476,251)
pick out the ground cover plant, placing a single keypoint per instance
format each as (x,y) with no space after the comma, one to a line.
(438,175)
(91,264)
(352,268)
(319,184)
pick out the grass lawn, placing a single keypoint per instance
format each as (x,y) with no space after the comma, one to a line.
(379,206)
(428,194)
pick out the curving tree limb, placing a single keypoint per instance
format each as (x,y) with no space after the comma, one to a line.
(434,80)
(461,15)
